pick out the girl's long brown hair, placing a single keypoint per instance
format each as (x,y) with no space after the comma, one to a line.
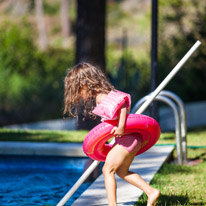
(86,78)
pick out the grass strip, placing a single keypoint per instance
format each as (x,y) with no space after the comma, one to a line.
(196,138)
(42,135)
(181,184)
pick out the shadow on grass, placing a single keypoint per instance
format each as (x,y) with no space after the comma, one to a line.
(200,156)
(24,136)
(167,136)
(198,129)
(165,200)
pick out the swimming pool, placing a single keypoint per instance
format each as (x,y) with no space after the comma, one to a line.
(38,180)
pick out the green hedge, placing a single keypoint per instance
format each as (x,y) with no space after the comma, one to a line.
(182,23)
(31,81)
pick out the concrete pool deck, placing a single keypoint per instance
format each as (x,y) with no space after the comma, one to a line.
(146,165)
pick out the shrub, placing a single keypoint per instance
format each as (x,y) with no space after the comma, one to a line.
(182,24)
(31,82)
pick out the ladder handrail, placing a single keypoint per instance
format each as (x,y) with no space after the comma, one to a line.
(183,119)
(181,112)
(177,121)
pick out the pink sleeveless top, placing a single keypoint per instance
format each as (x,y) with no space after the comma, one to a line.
(108,108)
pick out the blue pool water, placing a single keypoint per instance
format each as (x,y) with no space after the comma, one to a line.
(39,181)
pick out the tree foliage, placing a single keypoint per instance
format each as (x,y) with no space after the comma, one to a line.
(31,81)
(182,24)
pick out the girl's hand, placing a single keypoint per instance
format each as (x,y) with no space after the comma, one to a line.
(117,132)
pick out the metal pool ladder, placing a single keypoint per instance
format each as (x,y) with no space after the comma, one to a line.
(178,108)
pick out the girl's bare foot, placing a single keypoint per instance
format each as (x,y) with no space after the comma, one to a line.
(152,199)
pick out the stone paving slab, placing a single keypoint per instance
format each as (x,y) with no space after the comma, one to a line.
(146,165)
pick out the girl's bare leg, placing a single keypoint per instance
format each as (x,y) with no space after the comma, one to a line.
(121,166)
(114,160)
(134,179)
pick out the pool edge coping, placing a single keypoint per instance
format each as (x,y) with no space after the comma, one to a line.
(41,148)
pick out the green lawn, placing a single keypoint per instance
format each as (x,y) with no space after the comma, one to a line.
(195,137)
(181,184)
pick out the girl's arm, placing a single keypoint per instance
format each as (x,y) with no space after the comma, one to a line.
(119,130)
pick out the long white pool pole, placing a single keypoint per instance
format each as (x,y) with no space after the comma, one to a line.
(139,111)
(79,182)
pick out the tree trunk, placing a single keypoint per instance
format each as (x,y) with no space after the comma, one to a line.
(90,41)
(90,32)
(43,43)
(65,23)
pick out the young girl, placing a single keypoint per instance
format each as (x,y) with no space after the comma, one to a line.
(88,85)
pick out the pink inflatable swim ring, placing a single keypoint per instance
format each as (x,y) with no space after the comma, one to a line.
(95,144)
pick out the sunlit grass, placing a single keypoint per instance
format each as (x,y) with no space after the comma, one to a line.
(181,184)
(196,137)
